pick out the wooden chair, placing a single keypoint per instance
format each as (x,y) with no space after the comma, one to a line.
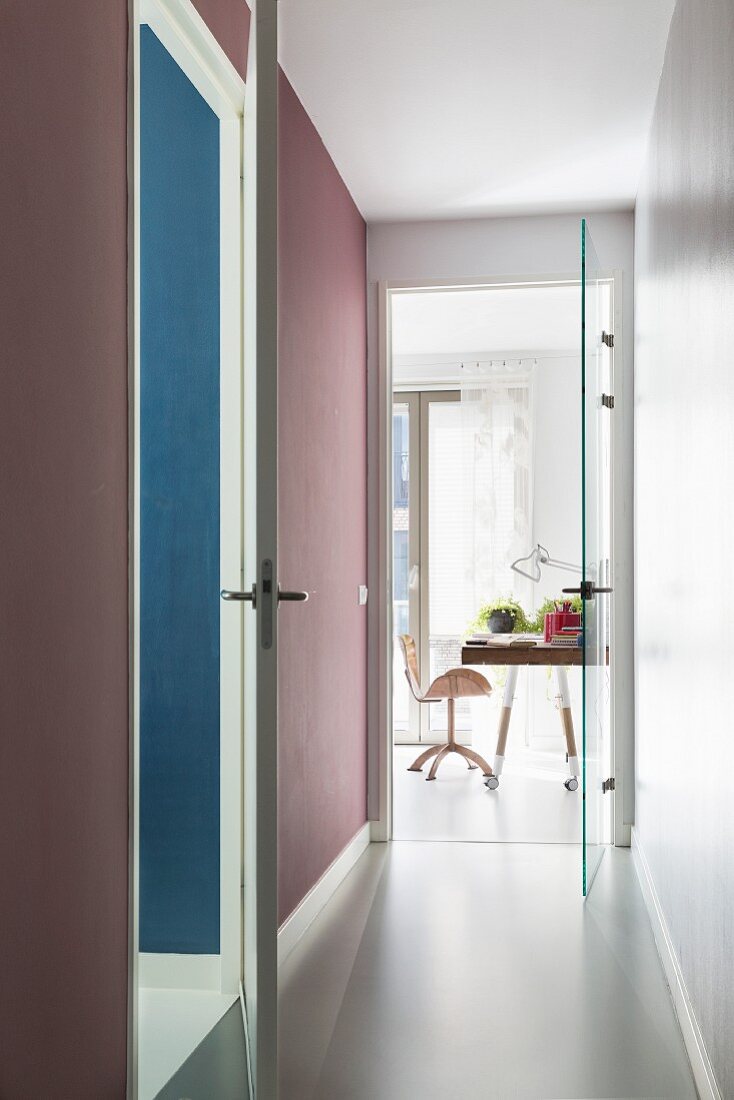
(457,683)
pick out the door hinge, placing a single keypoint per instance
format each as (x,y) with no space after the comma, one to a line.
(608,785)
(607,400)
(608,339)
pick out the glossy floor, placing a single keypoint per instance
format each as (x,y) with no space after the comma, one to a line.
(476,970)
(171,1025)
(530,805)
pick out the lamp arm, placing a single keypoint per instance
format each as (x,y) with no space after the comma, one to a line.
(531,557)
(539,556)
(556,564)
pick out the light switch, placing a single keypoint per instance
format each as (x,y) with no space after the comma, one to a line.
(362,595)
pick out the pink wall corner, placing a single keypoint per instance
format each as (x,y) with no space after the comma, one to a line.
(323,508)
(323,490)
(229,22)
(63,551)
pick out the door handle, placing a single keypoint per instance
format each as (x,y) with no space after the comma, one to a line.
(226,594)
(231,597)
(586,590)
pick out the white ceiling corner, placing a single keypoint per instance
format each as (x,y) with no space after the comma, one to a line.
(470,108)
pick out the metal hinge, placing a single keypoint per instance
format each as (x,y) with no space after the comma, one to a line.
(608,785)
(608,339)
(607,400)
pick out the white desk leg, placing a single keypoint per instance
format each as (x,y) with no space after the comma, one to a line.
(507,700)
(567,720)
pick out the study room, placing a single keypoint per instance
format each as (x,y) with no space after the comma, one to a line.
(501,510)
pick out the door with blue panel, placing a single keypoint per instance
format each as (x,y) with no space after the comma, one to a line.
(179,662)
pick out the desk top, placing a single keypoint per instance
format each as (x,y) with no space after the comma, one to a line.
(542,653)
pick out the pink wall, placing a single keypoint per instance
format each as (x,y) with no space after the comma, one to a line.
(323,491)
(323,508)
(63,551)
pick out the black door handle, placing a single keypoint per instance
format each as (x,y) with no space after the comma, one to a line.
(586,590)
(250,597)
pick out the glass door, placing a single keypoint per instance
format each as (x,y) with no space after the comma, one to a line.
(596,590)
(447,596)
(432,595)
(406,556)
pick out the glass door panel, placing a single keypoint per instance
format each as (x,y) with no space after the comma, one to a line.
(448,598)
(406,557)
(401,563)
(596,368)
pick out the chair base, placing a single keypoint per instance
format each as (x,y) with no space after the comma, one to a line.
(442,751)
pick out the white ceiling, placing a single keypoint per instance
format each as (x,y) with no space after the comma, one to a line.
(470,108)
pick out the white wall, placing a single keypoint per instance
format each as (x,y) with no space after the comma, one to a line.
(513,247)
(684,403)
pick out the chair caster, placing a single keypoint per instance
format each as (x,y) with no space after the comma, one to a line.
(571,784)
(491,782)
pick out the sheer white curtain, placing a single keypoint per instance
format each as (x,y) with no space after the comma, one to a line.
(497,434)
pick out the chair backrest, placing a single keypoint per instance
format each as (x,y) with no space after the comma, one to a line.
(407,644)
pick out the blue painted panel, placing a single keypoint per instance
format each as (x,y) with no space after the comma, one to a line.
(179,522)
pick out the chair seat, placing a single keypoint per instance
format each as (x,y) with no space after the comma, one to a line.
(458,683)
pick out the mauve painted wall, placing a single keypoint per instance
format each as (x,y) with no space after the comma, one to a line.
(63,550)
(63,547)
(323,491)
(322,763)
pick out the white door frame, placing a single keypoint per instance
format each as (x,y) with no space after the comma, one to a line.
(621,641)
(260,945)
(188,40)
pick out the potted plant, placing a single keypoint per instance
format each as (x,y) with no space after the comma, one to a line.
(503,616)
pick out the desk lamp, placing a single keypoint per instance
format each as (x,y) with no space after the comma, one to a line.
(539,556)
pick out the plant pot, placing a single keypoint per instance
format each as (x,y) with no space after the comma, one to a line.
(501,622)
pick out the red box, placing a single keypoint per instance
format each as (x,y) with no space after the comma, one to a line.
(556,620)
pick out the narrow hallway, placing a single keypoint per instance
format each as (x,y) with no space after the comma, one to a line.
(467,970)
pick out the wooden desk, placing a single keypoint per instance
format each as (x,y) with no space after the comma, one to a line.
(542,653)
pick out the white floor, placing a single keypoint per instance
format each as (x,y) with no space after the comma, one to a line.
(476,971)
(530,805)
(171,1024)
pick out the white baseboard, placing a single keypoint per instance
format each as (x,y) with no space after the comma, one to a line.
(296,924)
(378,832)
(703,1073)
(163,971)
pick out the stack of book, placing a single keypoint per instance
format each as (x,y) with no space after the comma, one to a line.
(517,641)
(568,635)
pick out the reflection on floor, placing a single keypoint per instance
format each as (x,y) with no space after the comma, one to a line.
(171,1024)
(476,970)
(217,1070)
(530,805)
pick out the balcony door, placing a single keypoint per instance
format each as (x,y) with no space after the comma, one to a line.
(432,601)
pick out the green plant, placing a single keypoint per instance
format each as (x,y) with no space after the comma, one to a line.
(521,623)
